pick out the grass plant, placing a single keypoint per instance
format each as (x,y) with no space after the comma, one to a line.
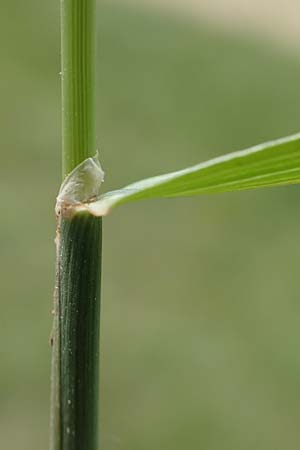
(80,208)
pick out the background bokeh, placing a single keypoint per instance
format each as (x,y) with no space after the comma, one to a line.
(200,317)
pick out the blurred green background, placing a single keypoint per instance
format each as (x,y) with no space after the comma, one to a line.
(200,317)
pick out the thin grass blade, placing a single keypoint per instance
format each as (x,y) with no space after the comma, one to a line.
(270,164)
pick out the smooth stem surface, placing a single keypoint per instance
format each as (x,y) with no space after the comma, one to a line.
(78,39)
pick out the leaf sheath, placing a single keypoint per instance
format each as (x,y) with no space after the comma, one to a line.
(79,268)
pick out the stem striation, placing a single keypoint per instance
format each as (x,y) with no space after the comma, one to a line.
(75,336)
(79,300)
(78,44)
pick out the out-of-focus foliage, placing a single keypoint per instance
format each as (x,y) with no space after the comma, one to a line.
(200,317)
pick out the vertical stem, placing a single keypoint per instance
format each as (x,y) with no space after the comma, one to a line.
(80,265)
(78,43)
(75,337)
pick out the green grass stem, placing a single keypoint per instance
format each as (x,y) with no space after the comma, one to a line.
(78,44)
(75,337)
(80,265)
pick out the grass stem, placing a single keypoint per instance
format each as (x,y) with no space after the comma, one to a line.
(75,338)
(78,44)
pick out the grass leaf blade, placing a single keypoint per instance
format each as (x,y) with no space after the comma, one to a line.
(270,164)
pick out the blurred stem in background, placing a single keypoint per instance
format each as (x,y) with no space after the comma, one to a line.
(75,338)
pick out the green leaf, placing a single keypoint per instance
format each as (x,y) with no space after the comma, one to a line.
(270,164)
